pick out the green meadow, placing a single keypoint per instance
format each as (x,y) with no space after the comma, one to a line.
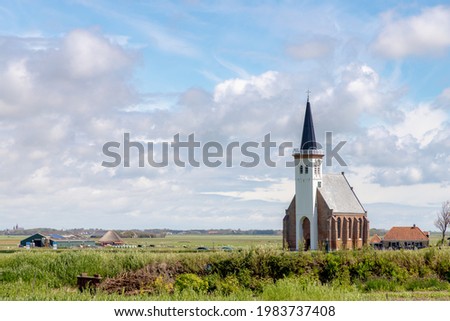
(255,269)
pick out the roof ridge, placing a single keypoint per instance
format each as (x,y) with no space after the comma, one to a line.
(351,188)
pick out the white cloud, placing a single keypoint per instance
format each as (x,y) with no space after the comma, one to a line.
(89,55)
(57,114)
(266,85)
(409,192)
(425,34)
(353,92)
(364,86)
(422,123)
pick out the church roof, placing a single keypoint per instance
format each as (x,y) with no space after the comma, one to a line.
(405,233)
(308,135)
(339,195)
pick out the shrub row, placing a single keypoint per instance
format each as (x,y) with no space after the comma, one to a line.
(226,273)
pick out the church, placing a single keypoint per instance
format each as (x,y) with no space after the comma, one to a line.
(325,212)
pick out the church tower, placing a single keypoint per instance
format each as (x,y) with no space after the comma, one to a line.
(308,177)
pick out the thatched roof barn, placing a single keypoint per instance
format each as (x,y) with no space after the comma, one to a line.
(111,238)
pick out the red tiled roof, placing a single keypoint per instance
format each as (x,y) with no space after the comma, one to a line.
(405,233)
(375,239)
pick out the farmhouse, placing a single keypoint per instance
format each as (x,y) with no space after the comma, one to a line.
(325,211)
(405,237)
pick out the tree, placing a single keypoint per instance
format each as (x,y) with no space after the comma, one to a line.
(443,219)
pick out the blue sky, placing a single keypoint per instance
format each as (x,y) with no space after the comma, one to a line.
(77,74)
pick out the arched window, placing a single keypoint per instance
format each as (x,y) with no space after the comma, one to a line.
(306,169)
(350,228)
(301,169)
(360,228)
(339,227)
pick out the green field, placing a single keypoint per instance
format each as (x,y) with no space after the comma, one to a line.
(180,243)
(256,269)
(212,242)
(10,242)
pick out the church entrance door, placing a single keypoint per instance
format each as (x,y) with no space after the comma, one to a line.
(306,228)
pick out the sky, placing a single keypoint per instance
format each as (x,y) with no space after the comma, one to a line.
(76,75)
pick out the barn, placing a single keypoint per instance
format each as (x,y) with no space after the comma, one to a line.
(69,243)
(40,240)
(36,240)
(111,238)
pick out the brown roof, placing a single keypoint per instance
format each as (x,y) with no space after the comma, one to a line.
(405,233)
(110,237)
(375,239)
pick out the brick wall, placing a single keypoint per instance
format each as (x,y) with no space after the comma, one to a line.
(351,228)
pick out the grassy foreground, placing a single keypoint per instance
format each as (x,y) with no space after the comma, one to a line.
(252,274)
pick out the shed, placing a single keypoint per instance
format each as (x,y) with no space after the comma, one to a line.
(68,243)
(37,240)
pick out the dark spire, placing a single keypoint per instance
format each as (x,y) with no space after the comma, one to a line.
(308,136)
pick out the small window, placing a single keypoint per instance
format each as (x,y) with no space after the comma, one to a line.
(306,169)
(319,184)
(301,169)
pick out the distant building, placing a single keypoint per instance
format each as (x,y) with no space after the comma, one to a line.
(69,243)
(376,242)
(111,238)
(36,240)
(325,211)
(405,237)
(40,240)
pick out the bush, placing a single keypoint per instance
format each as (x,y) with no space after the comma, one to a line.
(250,274)
(229,285)
(189,281)
(379,284)
(330,269)
(433,284)
(161,286)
